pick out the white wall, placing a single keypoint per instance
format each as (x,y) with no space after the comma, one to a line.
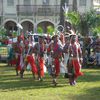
(9,9)
(86,8)
(0,7)
(12,9)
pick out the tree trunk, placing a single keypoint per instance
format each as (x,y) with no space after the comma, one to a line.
(62,19)
(84,31)
(74,5)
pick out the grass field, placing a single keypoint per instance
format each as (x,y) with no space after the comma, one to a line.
(14,88)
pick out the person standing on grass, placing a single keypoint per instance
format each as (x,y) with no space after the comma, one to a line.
(26,50)
(19,51)
(29,57)
(97,50)
(75,60)
(66,53)
(39,50)
(56,54)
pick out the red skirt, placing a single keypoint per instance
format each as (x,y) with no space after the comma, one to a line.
(57,66)
(77,67)
(31,60)
(13,62)
(41,65)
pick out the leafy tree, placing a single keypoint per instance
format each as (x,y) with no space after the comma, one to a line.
(39,30)
(50,29)
(84,23)
(73,18)
(89,21)
(96,31)
(14,34)
(2,31)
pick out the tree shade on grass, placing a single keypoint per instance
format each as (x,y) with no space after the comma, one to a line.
(14,88)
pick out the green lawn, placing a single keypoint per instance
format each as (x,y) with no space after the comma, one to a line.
(14,88)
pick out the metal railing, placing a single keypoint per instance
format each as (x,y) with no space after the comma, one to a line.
(3,53)
(38,10)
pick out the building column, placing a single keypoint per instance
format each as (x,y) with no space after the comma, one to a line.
(35,28)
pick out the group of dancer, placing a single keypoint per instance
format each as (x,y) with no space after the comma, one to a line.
(49,52)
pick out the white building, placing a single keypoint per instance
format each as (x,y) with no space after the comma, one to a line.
(33,13)
(96,4)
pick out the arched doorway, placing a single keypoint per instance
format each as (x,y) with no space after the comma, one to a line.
(10,26)
(27,26)
(44,25)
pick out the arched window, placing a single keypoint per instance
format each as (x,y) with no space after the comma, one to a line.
(82,2)
(27,2)
(45,2)
(10,2)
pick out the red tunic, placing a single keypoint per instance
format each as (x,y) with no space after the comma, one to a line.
(57,52)
(75,61)
(39,49)
(18,50)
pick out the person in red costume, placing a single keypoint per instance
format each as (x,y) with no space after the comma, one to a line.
(39,50)
(31,61)
(56,52)
(18,50)
(29,58)
(75,60)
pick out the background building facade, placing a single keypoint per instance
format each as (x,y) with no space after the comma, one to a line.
(96,4)
(33,13)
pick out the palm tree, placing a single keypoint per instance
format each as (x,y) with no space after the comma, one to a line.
(89,21)
(84,23)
